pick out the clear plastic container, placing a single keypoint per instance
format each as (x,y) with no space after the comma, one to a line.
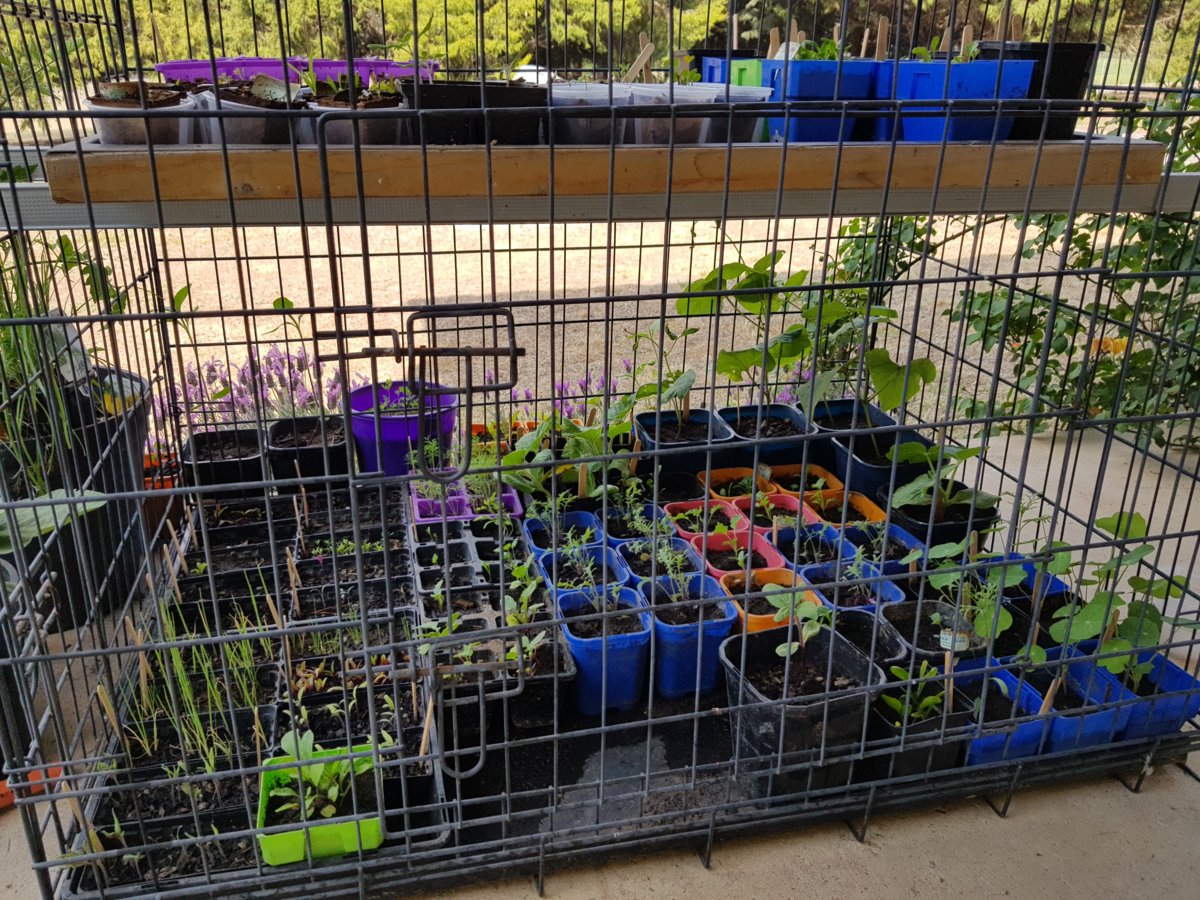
(248,129)
(598,129)
(688,129)
(378,123)
(163,129)
(746,129)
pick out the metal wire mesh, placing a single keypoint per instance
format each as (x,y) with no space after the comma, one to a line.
(581,496)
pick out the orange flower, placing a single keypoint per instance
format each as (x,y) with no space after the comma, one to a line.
(1109,345)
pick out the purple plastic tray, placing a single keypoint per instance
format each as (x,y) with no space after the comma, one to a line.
(366,66)
(229,66)
(458,506)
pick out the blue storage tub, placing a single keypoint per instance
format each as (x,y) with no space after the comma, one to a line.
(980,79)
(1101,725)
(817,79)
(1023,740)
(677,647)
(611,671)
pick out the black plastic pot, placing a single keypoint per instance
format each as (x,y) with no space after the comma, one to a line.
(935,750)
(328,458)
(1070,75)
(807,723)
(857,626)
(106,456)
(468,127)
(240,465)
(916,521)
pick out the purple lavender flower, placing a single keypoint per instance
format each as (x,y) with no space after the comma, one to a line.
(529,394)
(628,364)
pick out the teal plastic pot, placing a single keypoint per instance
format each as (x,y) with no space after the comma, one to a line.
(333,839)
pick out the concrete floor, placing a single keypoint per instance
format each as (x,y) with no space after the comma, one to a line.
(1087,839)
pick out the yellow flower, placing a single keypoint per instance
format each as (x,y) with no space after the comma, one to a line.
(1109,345)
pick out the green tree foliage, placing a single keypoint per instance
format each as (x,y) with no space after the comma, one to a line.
(507,33)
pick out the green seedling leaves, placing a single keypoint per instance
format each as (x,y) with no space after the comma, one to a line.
(888,377)
(1123,525)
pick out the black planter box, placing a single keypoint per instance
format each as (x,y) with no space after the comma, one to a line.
(231,469)
(316,461)
(1071,66)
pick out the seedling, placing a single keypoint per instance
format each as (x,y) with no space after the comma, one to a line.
(526,649)
(922,699)
(810,616)
(322,785)
(931,488)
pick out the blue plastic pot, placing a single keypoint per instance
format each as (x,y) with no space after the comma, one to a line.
(859,537)
(826,534)
(400,432)
(867,477)
(1177,700)
(1050,585)
(685,456)
(882,126)
(625,551)
(612,670)
(884,591)
(1094,727)
(777,451)
(677,647)
(577,520)
(745,66)
(981,79)
(817,79)
(604,557)
(1024,739)
(651,512)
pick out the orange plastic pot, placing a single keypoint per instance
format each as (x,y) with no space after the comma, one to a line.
(827,506)
(719,477)
(832,482)
(734,584)
(784,507)
(718,508)
(158,504)
(706,546)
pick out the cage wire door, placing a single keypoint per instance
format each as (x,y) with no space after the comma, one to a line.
(440,444)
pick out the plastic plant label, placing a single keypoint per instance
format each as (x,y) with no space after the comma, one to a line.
(954,641)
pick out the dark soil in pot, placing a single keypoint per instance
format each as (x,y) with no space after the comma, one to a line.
(765,518)
(626,622)
(697,522)
(617,526)
(883,548)
(902,617)
(224,446)
(185,859)
(683,432)
(804,678)
(462,602)
(681,609)
(798,484)
(155,98)
(672,486)
(728,561)
(308,434)
(998,708)
(544,540)
(216,791)
(758,605)
(1065,698)
(572,576)
(812,552)
(747,427)
(642,559)
(331,725)
(860,630)
(851,596)
(239,92)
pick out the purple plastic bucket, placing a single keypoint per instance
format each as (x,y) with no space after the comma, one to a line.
(367,66)
(400,432)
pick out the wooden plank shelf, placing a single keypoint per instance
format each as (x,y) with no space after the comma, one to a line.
(121,174)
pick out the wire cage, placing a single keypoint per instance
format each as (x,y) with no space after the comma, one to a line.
(441,441)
